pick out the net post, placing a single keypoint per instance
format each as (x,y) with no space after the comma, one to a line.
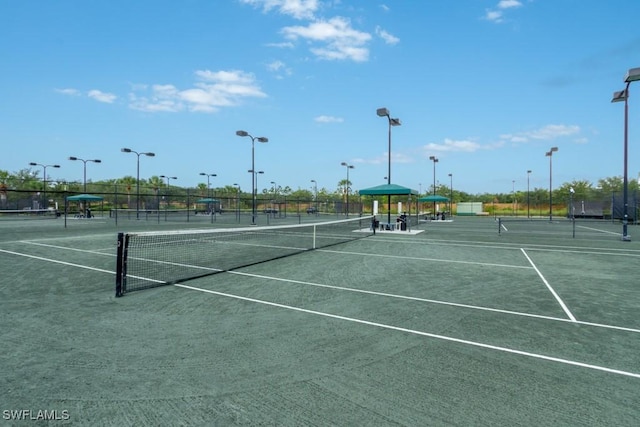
(314,237)
(120,288)
(499,225)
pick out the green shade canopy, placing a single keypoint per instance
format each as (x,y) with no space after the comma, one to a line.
(433,198)
(387,189)
(84,198)
(207,200)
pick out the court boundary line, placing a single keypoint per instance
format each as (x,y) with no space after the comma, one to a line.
(546,283)
(421,333)
(517,313)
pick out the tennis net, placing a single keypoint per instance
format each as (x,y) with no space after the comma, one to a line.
(150,259)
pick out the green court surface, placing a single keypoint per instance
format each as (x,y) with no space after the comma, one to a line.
(456,325)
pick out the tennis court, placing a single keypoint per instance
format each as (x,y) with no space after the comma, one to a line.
(457,325)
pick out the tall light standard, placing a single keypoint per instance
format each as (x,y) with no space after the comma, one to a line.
(166,207)
(632,75)
(253,196)
(44,180)
(549,154)
(148,154)
(346,185)
(528,174)
(237,200)
(434,159)
(253,168)
(210,202)
(450,194)
(85,169)
(383,112)
(513,195)
(315,195)
(275,192)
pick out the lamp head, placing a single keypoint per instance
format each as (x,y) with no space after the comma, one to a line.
(382,112)
(262,139)
(395,122)
(554,149)
(149,154)
(620,96)
(33,164)
(242,133)
(632,75)
(55,166)
(126,150)
(97,161)
(73,158)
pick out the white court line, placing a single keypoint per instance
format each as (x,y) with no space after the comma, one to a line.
(57,262)
(598,230)
(421,333)
(557,297)
(426,259)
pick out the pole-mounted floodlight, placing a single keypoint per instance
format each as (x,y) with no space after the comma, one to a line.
(528,174)
(384,112)
(85,169)
(254,178)
(44,180)
(348,166)
(549,154)
(622,96)
(148,154)
(212,211)
(434,159)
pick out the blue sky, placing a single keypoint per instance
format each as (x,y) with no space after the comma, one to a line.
(485,86)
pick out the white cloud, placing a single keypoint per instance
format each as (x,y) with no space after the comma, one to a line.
(451,145)
(299,9)
(545,133)
(69,91)
(340,39)
(493,16)
(101,96)
(507,4)
(497,16)
(328,119)
(213,91)
(388,38)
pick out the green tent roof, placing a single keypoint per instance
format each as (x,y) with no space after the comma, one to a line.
(85,198)
(207,200)
(387,189)
(433,198)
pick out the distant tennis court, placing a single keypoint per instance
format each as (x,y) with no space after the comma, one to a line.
(464,323)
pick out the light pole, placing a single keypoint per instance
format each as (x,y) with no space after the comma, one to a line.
(383,112)
(44,180)
(253,195)
(632,75)
(253,168)
(513,195)
(434,159)
(275,193)
(148,154)
(237,201)
(315,195)
(549,154)
(166,206)
(211,208)
(450,194)
(528,174)
(85,169)
(346,186)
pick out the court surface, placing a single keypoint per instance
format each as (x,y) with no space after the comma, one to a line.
(456,325)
